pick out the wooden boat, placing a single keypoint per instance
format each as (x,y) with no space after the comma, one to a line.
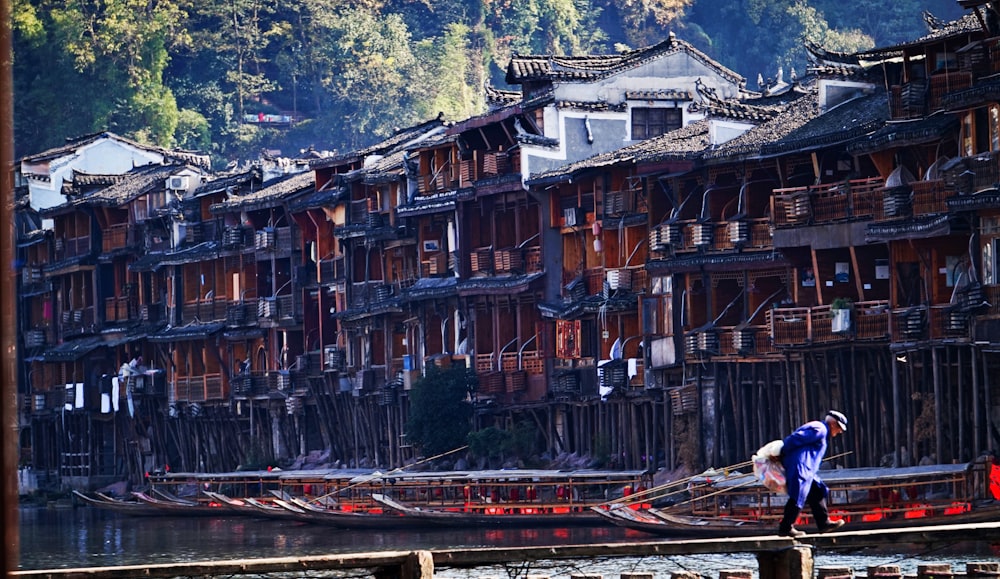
(184,507)
(250,506)
(723,505)
(310,512)
(128,507)
(495,515)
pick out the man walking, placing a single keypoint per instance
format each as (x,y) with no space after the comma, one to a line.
(801,455)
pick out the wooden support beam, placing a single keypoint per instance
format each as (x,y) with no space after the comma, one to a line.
(858,284)
(819,282)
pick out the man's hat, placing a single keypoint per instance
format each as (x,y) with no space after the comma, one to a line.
(839,417)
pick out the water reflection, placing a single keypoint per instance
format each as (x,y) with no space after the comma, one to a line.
(89,537)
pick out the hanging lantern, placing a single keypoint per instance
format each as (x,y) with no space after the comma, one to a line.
(597,228)
(598,246)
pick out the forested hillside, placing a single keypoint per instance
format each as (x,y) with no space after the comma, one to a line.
(232,77)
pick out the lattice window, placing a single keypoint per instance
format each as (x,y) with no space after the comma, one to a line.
(736,276)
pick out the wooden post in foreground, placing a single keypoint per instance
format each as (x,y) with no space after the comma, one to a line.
(418,565)
(8,317)
(793,563)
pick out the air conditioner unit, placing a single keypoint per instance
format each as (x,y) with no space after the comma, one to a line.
(178,182)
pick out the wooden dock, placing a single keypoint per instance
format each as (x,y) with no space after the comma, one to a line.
(778,557)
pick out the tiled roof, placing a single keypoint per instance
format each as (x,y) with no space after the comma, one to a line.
(932,226)
(938,31)
(592,67)
(497,285)
(750,143)
(400,137)
(718,262)
(663,94)
(683,143)
(123,188)
(231,182)
(593,106)
(851,120)
(498,98)
(900,133)
(153,261)
(191,157)
(429,288)
(269,194)
(192,331)
(388,168)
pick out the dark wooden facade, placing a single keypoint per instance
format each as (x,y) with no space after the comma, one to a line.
(676,302)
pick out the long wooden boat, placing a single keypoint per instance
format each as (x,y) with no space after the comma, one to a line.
(723,505)
(184,507)
(310,512)
(495,515)
(251,507)
(128,507)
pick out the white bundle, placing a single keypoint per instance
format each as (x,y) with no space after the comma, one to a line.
(767,466)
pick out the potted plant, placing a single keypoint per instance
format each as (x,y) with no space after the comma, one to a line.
(841,310)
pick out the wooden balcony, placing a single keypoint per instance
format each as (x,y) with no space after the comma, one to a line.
(197,388)
(72,247)
(76,321)
(908,324)
(973,174)
(508,260)
(485,363)
(944,83)
(826,203)
(617,203)
(332,270)
(276,241)
(204,311)
(948,322)
(120,309)
(119,236)
(935,322)
(274,311)
(930,197)
(240,314)
(745,341)
(871,320)
(791,207)
(802,326)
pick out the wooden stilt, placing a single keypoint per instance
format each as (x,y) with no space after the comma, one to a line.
(938,402)
(794,563)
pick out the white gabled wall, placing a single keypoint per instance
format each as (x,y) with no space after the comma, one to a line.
(105,156)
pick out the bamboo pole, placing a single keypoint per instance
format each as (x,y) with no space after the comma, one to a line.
(383,475)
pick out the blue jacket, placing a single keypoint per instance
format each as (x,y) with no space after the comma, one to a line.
(801,455)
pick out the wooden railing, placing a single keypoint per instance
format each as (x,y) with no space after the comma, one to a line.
(72,247)
(78,320)
(118,236)
(197,388)
(120,309)
(869,320)
(745,341)
(930,197)
(826,202)
(204,310)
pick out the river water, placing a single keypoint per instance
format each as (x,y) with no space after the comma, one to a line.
(89,537)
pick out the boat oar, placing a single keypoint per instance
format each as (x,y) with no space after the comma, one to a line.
(645,495)
(390,473)
(638,496)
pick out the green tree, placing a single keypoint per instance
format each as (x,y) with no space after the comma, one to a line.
(439,410)
(644,21)
(453,74)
